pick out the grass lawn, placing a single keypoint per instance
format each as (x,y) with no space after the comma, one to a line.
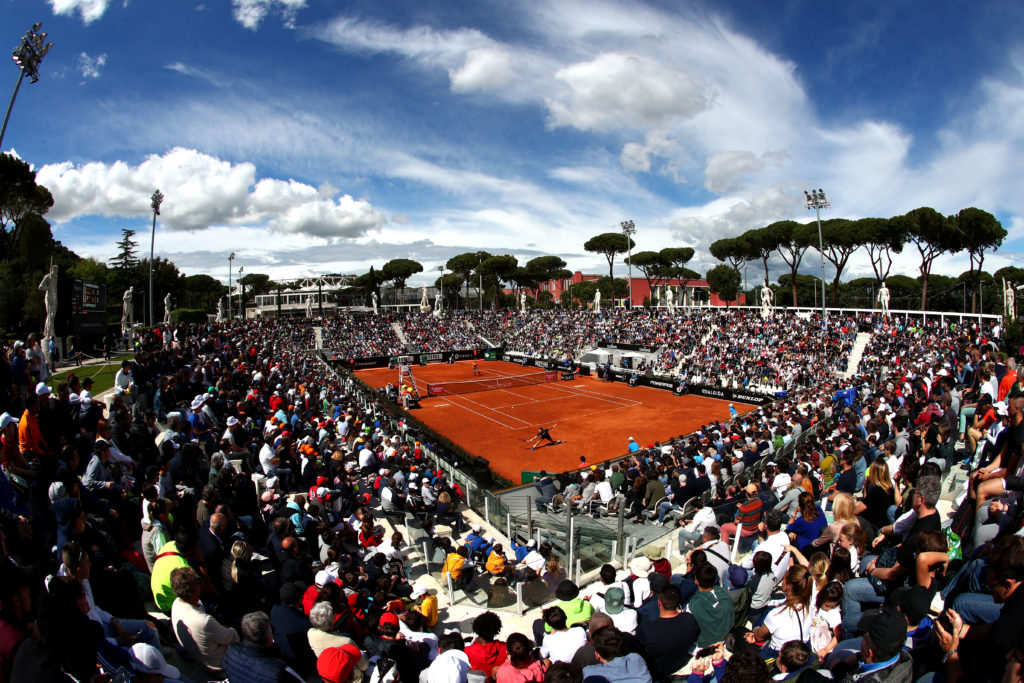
(102,374)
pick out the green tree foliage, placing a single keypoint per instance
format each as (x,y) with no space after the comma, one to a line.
(495,270)
(651,265)
(792,240)
(932,234)
(978,231)
(202,292)
(452,283)
(20,197)
(189,315)
(399,270)
(609,245)
(840,241)
(90,270)
(882,238)
(127,247)
(724,281)
(465,265)
(734,250)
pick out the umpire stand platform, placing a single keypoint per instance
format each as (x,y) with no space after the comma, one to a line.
(408,390)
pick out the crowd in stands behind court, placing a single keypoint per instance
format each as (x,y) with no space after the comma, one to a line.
(258,502)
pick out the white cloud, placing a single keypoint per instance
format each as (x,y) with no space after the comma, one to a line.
(724,170)
(622,89)
(435,48)
(637,157)
(400,219)
(90,67)
(251,13)
(728,217)
(486,68)
(201,191)
(90,10)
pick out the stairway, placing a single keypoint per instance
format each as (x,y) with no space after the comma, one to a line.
(400,333)
(859,344)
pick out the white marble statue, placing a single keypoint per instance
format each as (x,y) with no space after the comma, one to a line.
(48,285)
(128,310)
(1009,301)
(883,300)
(220,310)
(670,300)
(437,304)
(597,301)
(767,300)
(373,300)
(522,302)
(424,303)
(309,307)
(168,307)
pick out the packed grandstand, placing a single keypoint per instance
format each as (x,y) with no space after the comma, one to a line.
(245,512)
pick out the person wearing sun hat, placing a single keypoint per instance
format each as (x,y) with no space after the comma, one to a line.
(150,666)
(345,664)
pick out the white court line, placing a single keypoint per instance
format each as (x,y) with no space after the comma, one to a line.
(486,417)
(617,400)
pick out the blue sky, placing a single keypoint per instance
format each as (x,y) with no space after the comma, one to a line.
(311,136)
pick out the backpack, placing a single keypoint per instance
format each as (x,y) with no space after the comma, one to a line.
(741,598)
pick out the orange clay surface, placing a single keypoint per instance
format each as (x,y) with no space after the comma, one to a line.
(594,418)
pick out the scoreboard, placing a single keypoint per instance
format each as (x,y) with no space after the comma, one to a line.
(81,307)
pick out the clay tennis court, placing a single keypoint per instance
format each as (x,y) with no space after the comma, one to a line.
(594,418)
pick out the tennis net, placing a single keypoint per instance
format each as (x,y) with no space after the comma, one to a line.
(474,385)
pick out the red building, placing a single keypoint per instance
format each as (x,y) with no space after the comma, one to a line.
(684,291)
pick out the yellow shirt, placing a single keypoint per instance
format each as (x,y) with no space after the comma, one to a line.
(453,565)
(428,608)
(495,564)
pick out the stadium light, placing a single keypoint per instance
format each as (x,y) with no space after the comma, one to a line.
(154,202)
(480,287)
(28,56)
(817,200)
(440,269)
(231,263)
(628,229)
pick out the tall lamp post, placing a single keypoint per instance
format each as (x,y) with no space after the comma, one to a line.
(480,285)
(231,264)
(28,56)
(241,293)
(155,201)
(817,200)
(628,229)
(440,269)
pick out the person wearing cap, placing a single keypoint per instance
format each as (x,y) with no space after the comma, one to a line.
(410,658)
(150,666)
(882,657)
(426,605)
(632,446)
(575,608)
(623,616)
(478,545)
(254,659)
(345,664)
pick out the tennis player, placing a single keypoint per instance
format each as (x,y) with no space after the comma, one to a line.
(543,433)
(476,367)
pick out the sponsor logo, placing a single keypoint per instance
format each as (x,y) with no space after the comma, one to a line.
(713,392)
(507,358)
(427,357)
(436,389)
(550,376)
(659,383)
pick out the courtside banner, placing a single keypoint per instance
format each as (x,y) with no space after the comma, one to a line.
(681,388)
(435,389)
(627,347)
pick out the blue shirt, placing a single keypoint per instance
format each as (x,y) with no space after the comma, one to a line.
(633,446)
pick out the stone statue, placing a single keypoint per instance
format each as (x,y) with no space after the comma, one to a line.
(220,310)
(767,300)
(437,304)
(883,299)
(309,306)
(522,302)
(670,300)
(168,307)
(597,301)
(424,303)
(48,285)
(128,310)
(1009,303)
(373,300)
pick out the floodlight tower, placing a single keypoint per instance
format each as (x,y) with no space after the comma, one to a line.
(817,200)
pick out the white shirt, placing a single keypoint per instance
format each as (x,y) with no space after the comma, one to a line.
(625,621)
(786,624)
(451,666)
(266,455)
(535,561)
(560,646)
(704,518)
(604,491)
(774,545)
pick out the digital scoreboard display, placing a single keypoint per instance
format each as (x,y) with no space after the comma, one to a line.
(82,307)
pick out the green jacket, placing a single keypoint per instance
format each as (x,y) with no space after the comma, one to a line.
(713,611)
(168,559)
